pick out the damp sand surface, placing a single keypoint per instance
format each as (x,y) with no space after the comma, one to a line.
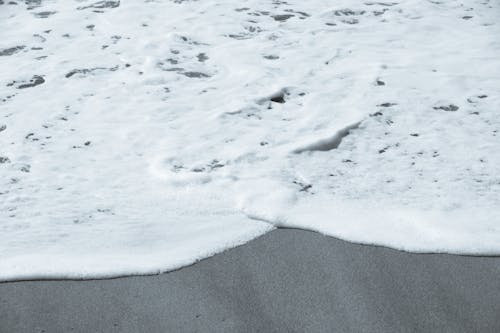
(285,281)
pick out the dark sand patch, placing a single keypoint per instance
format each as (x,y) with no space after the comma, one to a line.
(284,281)
(11,50)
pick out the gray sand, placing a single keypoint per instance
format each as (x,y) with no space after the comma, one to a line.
(285,281)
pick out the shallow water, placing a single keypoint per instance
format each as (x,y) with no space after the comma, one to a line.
(143,136)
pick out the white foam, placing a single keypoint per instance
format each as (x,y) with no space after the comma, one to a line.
(159,135)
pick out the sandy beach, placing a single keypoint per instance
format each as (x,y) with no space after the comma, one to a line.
(216,166)
(285,281)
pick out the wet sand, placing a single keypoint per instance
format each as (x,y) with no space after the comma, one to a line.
(285,281)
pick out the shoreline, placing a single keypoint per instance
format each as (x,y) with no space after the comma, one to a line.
(285,280)
(364,244)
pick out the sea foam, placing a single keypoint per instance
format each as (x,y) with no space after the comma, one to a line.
(140,137)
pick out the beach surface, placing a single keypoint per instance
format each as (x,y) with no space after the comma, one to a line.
(284,281)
